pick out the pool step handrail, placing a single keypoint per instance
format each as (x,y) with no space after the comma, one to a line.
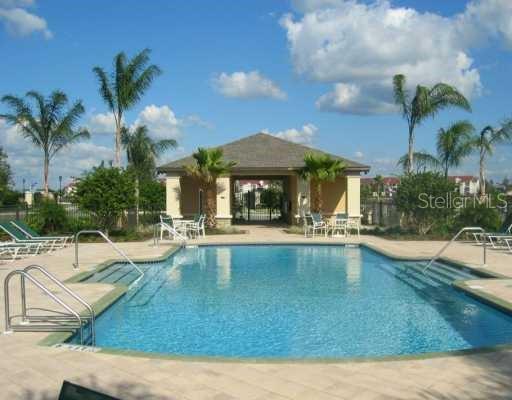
(68,321)
(76,265)
(465,229)
(171,229)
(71,293)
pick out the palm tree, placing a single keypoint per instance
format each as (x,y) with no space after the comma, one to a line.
(126,85)
(142,152)
(48,125)
(423,161)
(427,102)
(484,144)
(320,168)
(209,166)
(453,144)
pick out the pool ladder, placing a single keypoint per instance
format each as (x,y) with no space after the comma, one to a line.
(47,320)
(114,246)
(463,230)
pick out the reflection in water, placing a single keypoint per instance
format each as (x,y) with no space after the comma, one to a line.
(174,275)
(354,264)
(223,267)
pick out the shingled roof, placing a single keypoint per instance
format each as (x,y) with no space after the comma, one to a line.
(262,151)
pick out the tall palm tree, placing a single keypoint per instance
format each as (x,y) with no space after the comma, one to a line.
(49,124)
(427,102)
(320,168)
(142,152)
(209,166)
(484,144)
(125,87)
(454,144)
(423,161)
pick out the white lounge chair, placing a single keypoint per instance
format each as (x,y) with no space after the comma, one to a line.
(493,238)
(354,223)
(173,228)
(196,227)
(339,225)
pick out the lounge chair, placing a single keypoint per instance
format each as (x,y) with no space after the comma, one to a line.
(314,223)
(11,251)
(354,223)
(493,238)
(32,234)
(19,237)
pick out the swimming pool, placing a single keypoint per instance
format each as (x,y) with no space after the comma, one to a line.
(293,301)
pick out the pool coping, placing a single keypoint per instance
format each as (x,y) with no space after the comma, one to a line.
(118,291)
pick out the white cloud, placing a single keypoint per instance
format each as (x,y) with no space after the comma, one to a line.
(247,85)
(160,121)
(360,46)
(304,135)
(347,97)
(20,22)
(102,123)
(359,154)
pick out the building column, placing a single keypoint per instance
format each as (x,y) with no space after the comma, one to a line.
(224,201)
(303,198)
(172,196)
(353,195)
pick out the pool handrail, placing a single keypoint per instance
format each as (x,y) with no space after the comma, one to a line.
(70,292)
(113,245)
(465,229)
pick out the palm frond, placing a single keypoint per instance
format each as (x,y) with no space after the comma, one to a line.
(401,95)
(105,87)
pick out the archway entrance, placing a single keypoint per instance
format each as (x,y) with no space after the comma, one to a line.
(260,200)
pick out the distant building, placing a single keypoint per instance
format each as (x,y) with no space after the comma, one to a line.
(388,189)
(466,184)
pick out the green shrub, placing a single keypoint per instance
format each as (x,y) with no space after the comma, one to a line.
(107,193)
(424,199)
(48,217)
(479,215)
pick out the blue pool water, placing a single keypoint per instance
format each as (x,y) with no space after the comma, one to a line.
(294,302)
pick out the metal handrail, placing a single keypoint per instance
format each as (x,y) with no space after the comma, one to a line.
(26,275)
(169,228)
(66,289)
(112,244)
(465,229)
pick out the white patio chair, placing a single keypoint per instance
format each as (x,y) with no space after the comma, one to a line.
(354,223)
(339,225)
(167,224)
(313,223)
(197,227)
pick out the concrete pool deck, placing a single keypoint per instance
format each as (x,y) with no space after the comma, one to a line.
(31,371)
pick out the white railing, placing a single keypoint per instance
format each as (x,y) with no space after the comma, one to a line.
(465,229)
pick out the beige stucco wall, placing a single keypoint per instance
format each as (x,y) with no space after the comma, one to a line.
(354,195)
(334,196)
(224,197)
(173,195)
(189,195)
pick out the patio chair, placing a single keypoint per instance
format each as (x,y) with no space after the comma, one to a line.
(314,223)
(32,234)
(354,223)
(197,227)
(167,224)
(19,237)
(493,238)
(339,225)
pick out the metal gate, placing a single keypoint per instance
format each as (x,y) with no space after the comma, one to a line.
(249,207)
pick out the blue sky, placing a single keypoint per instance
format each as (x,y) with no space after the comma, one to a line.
(315,71)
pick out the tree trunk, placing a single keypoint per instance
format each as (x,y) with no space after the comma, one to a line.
(410,153)
(210,190)
(317,196)
(117,155)
(46,167)
(137,200)
(482,175)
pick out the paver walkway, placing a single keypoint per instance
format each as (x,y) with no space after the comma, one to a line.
(31,371)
